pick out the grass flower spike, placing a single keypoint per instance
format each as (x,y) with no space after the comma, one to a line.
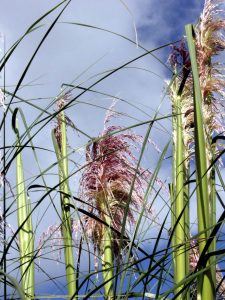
(210,42)
(182,109)
(60,143)
(106,184)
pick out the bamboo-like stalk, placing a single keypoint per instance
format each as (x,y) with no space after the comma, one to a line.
(173,189)
(107,256)
(206,288)
(179,205)
(187,230)
(172,207)
(61,151)
(26,240)
(179,199)
(182,203)
(31,248)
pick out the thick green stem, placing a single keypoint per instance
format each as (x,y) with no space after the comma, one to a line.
(26,242)
(187,229)
(31,248)
(107,251)
(179,192)
(173,187)
(180,256)
(66,217)
(172,226)
(206,287)
(107,261)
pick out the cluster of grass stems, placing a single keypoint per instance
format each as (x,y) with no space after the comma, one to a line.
(162,272)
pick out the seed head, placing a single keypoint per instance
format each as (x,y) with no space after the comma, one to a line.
(179,60)
(210,42)
(109,177)
(107,181)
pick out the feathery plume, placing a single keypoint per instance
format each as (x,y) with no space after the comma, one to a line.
(210,42)
(109,175)
(53,235)
(108,178)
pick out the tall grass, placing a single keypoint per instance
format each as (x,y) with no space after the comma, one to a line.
(26,238)
(107,256)
(60,144)
(179,199)
(113,220)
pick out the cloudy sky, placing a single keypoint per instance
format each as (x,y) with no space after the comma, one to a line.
(80,55)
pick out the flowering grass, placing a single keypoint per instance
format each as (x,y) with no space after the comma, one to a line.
(102,199)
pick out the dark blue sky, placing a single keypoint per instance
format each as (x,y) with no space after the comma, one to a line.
(165,22)
(174,14)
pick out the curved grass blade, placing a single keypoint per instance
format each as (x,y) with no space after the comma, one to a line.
(206,288)
(26,242)
(15,284)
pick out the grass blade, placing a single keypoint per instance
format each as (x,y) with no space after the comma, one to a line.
(60,144)
(206,288)
(26,241)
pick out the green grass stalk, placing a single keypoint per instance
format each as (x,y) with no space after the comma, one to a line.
(179,192)
(206,288)
(173,188)
(26,241)
(187,231)
(61,152)
(107,256)
(180,254)
(172,203)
